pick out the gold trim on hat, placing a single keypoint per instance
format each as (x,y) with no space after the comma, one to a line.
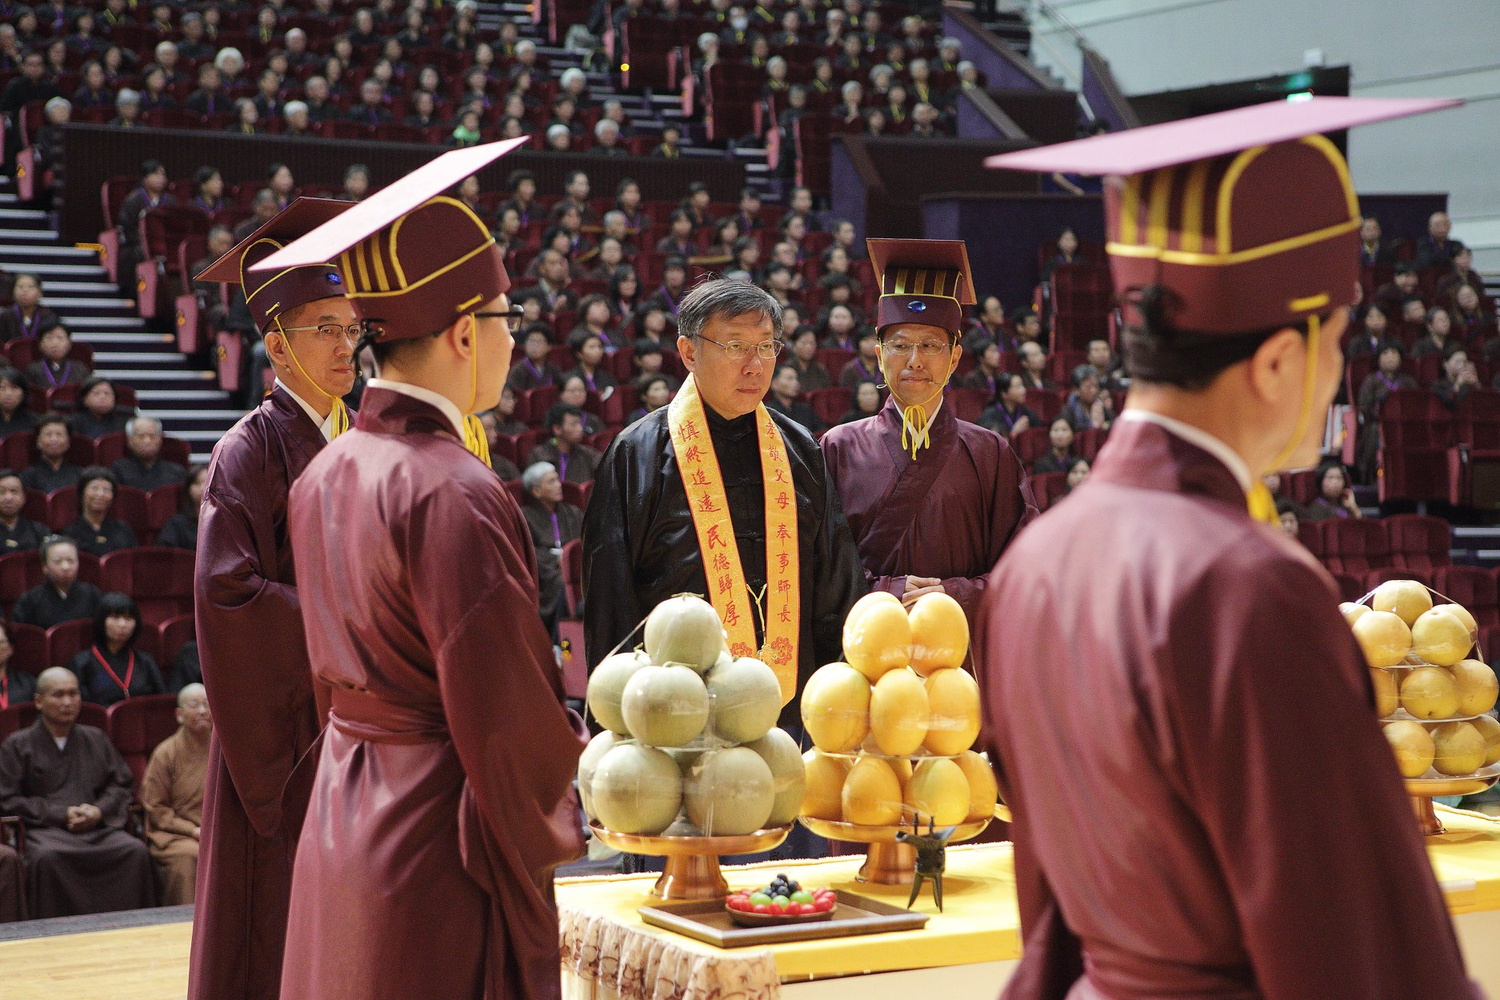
(372,246)
(1193,195)
(1238,256)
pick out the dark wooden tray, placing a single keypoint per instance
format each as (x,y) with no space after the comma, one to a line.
(706,920)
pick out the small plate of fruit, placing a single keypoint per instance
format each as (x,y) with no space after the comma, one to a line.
(783,901)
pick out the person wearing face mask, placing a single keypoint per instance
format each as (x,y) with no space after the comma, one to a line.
(933,500)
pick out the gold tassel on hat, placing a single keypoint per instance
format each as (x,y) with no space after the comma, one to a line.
(1262,504)
(475,439)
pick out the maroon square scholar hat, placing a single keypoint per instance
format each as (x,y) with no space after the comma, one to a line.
(413,260)
(921,281)
(270,293)
(1247,218)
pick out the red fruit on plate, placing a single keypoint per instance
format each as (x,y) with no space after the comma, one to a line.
(763,908)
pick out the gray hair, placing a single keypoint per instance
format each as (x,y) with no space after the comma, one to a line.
(614,214)
(165,46)
(294,108)
(534,474)
(127,96)
(915,63)
(525,45)
(605,125)
(707,39)
(57,103)
(570,74)
(225,55)
(851,87)
(558,130)
(133,422)
(775,61)
(297,32)
(724,298)
(879,69)
(949,42)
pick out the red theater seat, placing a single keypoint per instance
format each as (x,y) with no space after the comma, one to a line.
(1355,546)
(160,580)
(136,725)
(66,639)
(174,633)
(1419,542)
(1472,587)
(1048,488)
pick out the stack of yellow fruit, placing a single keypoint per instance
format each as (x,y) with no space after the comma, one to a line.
(892,727)
(1432,698)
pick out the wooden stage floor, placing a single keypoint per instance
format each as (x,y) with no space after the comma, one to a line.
(133,963)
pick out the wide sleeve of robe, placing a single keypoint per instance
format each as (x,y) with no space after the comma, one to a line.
(246,619)
(473,586)
(1298,792)
(609,553)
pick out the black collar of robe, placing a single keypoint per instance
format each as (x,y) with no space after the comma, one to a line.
(1147,456)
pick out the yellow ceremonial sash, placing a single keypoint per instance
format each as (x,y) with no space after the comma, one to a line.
(781,602)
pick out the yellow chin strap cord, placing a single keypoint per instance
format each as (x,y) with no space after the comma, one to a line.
(339,412)
(916,427)
(1262,504)
(474,437)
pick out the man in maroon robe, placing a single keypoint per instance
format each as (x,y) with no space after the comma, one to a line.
(443,799)
(932,500)
(250,637)
(1182,722)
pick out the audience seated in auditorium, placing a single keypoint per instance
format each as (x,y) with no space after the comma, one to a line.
(152,193)
(112,669)
(18,533)
(1335,498)
(534,369)
(1438,338)
(505,414)
(61,596)
(72,789)
(1010,416)
(142,465)
(1459,379)
(94,530)
(1059,457)
(181,529)
(1087,405)
(1380,383)
(553,523)
(97,415)
(1078,474)
(865,367)
(17,687)
(1436,247)
(1402,286)
(573,391)
(785,391)
(1373,252)
(1472,322)
(503,467)
(811,375)
(52,470)
(1461,275)
(1034,366)
(986,373)
(172,793)
(26,316)
(1370,333)
(14,416)
(1111,372)
(54,367)
(654,392)
(864,402)
(575,461)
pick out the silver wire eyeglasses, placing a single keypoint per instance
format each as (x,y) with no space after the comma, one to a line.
(738,350)
(331,331)
(927,349)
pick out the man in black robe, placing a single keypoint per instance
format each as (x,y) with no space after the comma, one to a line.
(17,532)
(61,596)
(72,789)
(142,465)
(640,545)
(553,524)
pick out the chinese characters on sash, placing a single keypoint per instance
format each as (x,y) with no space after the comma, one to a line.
(727,590)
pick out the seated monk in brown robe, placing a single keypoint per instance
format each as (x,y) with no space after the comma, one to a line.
(172,793)
(72,789)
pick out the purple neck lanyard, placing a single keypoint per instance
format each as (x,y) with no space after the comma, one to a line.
(28,329)
(562,470)
(62,370)
(556,531)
